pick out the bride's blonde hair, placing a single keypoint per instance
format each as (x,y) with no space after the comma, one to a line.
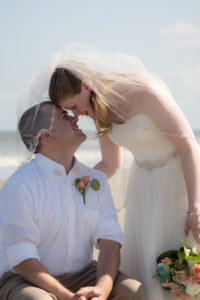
(64,83)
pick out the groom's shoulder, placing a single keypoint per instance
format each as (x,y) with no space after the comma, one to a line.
(93,173)
(21,176)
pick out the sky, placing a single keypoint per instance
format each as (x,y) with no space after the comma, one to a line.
(164,34)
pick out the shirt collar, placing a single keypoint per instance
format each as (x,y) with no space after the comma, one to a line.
(49,166)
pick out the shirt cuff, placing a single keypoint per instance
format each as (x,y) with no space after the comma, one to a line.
(115,238)
(20,252)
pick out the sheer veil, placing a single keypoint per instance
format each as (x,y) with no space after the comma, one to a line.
(102,71)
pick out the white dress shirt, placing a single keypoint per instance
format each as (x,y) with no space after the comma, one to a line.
(42,216)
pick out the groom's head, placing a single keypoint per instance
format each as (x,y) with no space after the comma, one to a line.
(46,127)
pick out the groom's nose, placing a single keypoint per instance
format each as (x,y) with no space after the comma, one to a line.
(74,119)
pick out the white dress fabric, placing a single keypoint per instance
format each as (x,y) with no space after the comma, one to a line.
(156,201)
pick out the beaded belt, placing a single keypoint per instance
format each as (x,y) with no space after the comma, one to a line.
(152,164)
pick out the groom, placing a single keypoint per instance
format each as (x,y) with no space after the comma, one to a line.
(53,210)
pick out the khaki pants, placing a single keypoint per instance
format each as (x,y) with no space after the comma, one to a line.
(14,287)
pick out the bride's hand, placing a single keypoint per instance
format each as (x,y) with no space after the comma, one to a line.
(193,223)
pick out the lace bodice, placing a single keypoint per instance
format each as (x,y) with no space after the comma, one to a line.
(144,139)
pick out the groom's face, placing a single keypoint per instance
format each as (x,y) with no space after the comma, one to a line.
(65,129)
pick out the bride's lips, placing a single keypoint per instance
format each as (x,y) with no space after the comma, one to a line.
(89,114)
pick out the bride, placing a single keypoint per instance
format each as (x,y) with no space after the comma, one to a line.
(134,109)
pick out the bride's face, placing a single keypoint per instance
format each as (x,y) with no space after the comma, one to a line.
(79,104)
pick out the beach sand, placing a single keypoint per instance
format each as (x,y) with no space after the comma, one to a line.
(1,183)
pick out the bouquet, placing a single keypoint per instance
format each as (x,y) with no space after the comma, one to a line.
(178,271)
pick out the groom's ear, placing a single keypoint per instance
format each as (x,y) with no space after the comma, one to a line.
(47,137)
(84,85)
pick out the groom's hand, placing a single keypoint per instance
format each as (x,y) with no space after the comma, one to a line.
(90,292)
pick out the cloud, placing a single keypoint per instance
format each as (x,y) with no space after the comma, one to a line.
(180,35)
(180,29)
(186,78)
(183,81)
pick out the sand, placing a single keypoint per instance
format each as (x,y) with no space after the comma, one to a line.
(1,183)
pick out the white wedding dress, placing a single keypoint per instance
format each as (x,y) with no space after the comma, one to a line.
(157,201)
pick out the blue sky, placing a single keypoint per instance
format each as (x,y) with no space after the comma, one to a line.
(164,34)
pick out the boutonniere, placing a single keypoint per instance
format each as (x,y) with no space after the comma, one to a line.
(82,185)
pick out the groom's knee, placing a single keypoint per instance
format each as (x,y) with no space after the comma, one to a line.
(30,293)
(126,288)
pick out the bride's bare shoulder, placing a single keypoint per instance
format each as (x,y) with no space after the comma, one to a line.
(130,86)
(134,89)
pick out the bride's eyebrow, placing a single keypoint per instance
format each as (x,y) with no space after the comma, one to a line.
(71,107)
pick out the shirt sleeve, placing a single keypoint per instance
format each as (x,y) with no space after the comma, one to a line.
(18,229)
(108,227)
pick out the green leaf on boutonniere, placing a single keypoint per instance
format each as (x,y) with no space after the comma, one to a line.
(95,184)
(77,180)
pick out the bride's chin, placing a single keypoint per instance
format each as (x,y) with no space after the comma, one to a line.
(89,115)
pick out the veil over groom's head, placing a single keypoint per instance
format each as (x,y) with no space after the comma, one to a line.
(47,125)
(33,122)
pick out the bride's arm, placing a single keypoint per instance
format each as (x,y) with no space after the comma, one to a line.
(167,115)
(111,157)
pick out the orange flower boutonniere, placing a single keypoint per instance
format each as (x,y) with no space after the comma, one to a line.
(82,185)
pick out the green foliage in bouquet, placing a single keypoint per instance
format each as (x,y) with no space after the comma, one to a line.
(173,254)
(178,271)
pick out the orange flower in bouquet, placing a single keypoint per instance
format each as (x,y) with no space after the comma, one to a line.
(178,271)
